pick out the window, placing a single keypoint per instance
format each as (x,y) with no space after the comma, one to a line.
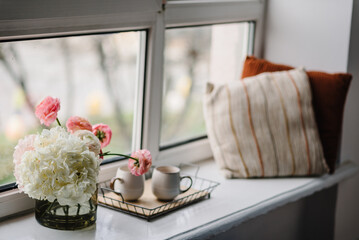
(193,56)
(144,62)
(94,76)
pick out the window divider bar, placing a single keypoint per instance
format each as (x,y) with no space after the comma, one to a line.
(154,86)
(140,92)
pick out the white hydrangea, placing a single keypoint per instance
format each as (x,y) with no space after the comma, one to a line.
(61,167)
(90,140)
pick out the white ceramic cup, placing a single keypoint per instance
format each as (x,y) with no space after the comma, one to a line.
(166,182)
(130,186)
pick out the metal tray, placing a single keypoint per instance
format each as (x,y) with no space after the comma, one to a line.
(148,207)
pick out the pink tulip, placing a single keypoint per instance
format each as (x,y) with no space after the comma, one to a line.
(75,123)
(47,110)
(142,164)
(103,132)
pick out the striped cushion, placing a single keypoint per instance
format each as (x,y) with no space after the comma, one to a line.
(264,126)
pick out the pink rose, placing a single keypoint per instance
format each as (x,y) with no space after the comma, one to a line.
(24,145)
(47,110)
(75,123)
(142,164)
(103,132)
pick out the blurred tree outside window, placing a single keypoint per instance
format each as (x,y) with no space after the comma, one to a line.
(194,56)
(94,76)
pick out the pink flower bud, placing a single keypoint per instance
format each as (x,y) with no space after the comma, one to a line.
(76,123)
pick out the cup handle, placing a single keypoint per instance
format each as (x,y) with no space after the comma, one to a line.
(183,191)
(113,180)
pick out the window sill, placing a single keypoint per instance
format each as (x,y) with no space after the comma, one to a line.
(232,202)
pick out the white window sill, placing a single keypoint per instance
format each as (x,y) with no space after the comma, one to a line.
(231,203)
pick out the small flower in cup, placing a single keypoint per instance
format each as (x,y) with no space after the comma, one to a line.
(47,110)
(103,132)
(140,162)
(76,123)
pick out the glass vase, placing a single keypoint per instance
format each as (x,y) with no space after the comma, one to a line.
(65,217)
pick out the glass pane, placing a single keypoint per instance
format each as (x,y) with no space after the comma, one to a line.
(193,56)
(94,76)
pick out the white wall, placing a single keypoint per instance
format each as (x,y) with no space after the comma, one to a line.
(316,35)
(313,34)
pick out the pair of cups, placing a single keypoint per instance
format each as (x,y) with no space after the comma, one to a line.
(166,183)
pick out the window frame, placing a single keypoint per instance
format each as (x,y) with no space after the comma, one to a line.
(184,14)
(32,21)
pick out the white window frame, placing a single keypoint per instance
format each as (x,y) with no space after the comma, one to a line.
(43,18)
(191,13)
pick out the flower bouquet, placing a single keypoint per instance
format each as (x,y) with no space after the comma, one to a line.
(59,168)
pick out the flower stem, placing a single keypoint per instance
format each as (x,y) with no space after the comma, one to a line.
(48,209)
(118,154)
(58,122)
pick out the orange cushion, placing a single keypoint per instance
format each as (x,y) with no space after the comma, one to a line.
(329,93)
